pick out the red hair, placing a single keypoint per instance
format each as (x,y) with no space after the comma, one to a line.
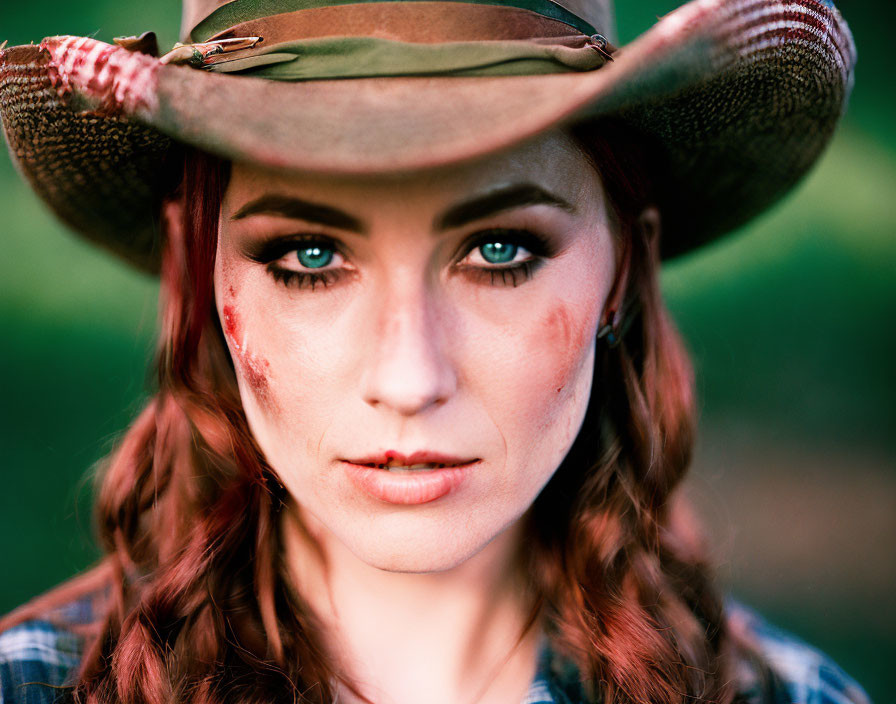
(200,606)
(630,593)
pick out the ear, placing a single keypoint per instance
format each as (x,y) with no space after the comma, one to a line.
(172,227)
(649,227)
(647,230)
(173,211)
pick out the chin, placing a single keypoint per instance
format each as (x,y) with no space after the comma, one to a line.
(420,547)
(418,564)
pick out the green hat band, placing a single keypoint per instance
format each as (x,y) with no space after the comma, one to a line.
(361,57)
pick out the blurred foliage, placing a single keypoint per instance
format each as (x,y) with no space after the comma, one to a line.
(791,323)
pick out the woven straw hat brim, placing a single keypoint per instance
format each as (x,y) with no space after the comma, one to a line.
(738,98)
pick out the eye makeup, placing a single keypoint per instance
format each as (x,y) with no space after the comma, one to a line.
(303,280)
(270,249)
(273,251)
(512,273)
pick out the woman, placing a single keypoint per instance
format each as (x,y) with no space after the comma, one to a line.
(421,413)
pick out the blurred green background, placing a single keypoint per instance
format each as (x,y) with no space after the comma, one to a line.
(790,321)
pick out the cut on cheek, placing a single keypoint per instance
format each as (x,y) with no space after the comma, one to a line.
(253,368)
(256,373)
(231,327)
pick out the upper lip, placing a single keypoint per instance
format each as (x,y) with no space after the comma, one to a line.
(394,458)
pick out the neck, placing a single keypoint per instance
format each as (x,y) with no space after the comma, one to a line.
(459,635)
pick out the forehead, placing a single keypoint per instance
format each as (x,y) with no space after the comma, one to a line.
(552,161)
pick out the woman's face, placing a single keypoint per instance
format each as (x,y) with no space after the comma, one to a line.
(415,353)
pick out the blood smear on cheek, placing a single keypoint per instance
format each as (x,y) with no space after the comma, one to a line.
(254,369)
(256,373)
(231,326)
(562,344)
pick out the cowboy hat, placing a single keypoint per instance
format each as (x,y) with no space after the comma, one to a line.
(737,98)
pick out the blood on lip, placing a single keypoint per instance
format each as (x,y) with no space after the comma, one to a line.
(429,464)
(393,458)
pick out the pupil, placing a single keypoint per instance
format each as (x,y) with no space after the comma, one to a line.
(315,257)
(498,252)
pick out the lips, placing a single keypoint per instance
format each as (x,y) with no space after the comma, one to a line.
(418,478)
(421,460)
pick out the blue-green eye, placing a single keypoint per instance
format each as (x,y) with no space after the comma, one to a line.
(315,257)
(301,261)
(498,252)
(507,256)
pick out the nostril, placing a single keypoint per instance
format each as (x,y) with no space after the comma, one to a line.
(406,404)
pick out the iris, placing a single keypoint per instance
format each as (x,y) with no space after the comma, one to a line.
(498,252)
(314,257)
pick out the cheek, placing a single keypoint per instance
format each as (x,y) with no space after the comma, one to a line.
(561,335)
(531,363)
(253,368)
(533,377)
(549,408)
(560,348)
(294,368)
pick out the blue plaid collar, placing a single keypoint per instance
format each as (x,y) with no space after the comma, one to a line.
(556,679)
(38,658)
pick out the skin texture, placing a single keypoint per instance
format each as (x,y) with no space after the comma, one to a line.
(412,348)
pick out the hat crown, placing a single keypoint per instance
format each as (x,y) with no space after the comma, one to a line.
(598,13)
(734,99)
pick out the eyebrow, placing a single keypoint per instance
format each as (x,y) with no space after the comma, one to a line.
(503,199)
(298,209)
(506,198)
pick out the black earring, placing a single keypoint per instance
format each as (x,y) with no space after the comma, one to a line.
(610,330)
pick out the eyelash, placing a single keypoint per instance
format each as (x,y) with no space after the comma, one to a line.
(302,279)
(515,274)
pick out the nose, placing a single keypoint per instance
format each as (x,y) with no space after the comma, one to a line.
(407,369)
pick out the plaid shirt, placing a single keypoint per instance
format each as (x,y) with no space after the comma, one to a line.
(38,658)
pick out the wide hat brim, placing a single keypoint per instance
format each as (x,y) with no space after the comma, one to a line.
(736,98)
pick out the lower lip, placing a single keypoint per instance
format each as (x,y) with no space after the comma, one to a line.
(408,489)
